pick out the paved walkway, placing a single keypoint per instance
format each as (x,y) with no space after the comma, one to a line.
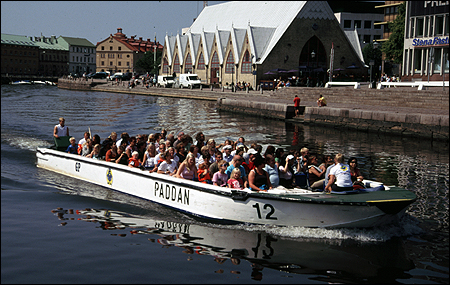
(267,96)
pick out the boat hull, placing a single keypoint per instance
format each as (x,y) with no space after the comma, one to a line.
(226,205)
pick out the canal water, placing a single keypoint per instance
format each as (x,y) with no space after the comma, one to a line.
(56,229)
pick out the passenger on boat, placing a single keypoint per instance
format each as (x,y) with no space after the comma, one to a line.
(82,141)
(96,139)
(251,157)
(327,161)
(111,154)
(163,134)
(122,157)
(95,154)
(200,138)
(174,155)
(354,171)
(279,153)
(187,141)
(270,150)
(204,175)
(272,170)
(227,153)
(73,147)
(340,177)
(215,167)
(236,181)
(87,148)
(149,158)
(168,166)
(181,152)
(209,152)
(236,163)
(141,147)
(242,141)
(178,140)
(134,160)
(315,173)
(195,151)
(187,169)
(124,137)
(220,177)
(61,130)
(286,172)
(113,136)
(131,147)
(258,179)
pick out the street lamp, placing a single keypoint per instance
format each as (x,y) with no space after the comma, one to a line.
(313,55)
(372,62)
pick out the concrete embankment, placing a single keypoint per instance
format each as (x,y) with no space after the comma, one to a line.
(399,111)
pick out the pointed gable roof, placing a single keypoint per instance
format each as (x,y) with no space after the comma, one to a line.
(272,14)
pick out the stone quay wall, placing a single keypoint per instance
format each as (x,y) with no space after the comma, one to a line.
(398,111)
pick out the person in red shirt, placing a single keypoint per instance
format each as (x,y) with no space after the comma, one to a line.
(297,105)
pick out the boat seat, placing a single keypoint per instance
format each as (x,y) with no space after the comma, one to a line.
(62,142)
(301,180)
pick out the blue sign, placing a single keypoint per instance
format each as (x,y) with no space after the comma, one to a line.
(431,42)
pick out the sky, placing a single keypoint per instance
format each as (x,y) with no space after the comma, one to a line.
(96,20)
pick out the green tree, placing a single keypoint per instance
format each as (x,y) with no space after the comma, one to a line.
(147,64)
(393,48)
(371,53)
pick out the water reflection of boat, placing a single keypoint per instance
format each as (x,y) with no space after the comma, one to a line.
(278,207)
(331,260)
(37,82)
(21,82)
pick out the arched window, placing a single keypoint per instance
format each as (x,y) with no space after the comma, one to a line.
(229,68)
(165,66)
(215,61)
(320,57)
(176,64)
(246,63)
(188,65)
(201,62)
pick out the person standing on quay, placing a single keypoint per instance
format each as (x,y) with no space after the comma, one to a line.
(60,130)
(297,105)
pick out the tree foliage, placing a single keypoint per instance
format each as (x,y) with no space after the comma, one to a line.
(370,53)
(393,48)
(147,64)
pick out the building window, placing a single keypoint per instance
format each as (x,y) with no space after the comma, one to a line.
(412,27)
(120,48)
(103,48)
(110,48)
(405,63)
(246,63)
(119,55)
(165,66)
(426,23)
(119,63)
(215,61)
(367,39)
(229,67)
(110,63)
(188,65)
(431,31)
(417,61)
(347,24)
(357,24)
(201,62)
(439,25)
(176,65)
(128,63)
(419,27)
(102,55)
(437,60)
(367,24)
(446,60)
(446,24)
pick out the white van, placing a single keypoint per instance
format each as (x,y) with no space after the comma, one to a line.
(189,80)
(165,80)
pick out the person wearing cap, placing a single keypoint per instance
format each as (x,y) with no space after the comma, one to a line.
(227,153)
(238,147)
(286,171)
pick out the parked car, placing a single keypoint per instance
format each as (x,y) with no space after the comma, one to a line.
(165,81)
(117,75)
(98,75)
(189,80)
(127,76)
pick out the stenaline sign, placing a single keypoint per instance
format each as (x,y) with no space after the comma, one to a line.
(431,42)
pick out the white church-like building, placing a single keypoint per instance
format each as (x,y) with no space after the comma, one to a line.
(250,41)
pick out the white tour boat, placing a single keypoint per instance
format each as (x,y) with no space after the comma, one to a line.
(280,207)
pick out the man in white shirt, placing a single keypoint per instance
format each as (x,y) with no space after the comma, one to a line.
(340,173)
